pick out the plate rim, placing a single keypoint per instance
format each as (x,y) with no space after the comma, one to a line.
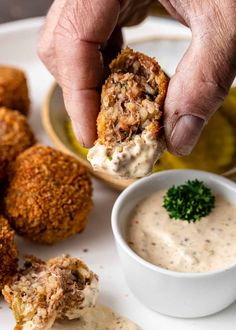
(21,24)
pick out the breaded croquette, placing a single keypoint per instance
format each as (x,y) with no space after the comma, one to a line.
(57,289)
(129,125)
(15,136)
(13,89)
(48,196)
(8,252)
(4,160)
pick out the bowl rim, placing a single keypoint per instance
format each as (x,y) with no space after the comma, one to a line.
(218,179)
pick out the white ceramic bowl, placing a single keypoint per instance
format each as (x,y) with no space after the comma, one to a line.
(169,292)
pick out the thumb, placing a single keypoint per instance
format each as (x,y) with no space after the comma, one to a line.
(196,91)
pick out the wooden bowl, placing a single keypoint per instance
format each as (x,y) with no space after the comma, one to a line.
(158,10)
(168,51)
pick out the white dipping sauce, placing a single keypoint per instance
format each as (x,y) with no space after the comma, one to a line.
(206,245)
(97,318)
(130,159)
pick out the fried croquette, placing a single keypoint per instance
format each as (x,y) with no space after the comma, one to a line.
(45,291)
(4,160)
(129,125)
(14,89)
(8,252)
(15,136)
(48,196)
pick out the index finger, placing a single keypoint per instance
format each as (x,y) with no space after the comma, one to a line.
(82,28)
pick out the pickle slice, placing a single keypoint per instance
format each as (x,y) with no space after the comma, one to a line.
(229,107)
(81,151)
(215,150)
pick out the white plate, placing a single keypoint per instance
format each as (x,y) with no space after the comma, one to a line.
(18,42)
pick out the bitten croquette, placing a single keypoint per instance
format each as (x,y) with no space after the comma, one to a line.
(132,98)
(48,196)
(130,124)
(42,292)
(13,89)
(15,136)
(8,253)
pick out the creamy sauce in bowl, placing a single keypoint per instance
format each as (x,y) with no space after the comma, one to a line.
(206,245)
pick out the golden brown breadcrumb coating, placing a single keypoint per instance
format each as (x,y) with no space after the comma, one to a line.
(13,89)
(8,252)
(4,161)
(48,196)
(132,98)
(15,136)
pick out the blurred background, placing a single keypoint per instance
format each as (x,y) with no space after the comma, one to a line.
(11,10)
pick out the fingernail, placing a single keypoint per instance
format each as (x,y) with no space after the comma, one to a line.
(186,133)
(78,136)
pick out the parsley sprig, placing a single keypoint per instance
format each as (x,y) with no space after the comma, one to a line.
(190,201)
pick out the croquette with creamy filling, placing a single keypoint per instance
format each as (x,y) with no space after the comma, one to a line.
(48,195)
(14,89)
(8,252)
(43,292)
(129,125)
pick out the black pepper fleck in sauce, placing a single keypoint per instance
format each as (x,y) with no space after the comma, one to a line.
(205,245)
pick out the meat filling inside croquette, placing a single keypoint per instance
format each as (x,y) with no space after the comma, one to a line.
(129,100)
(129,124)
(45,291)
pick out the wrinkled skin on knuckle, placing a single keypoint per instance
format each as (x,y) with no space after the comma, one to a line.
(66,26)
(216,24)
(80,19)
(213,43)
(219,54)
(88,20)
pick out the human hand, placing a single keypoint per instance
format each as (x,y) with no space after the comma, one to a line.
(70,46)
(79,38)
(205,73)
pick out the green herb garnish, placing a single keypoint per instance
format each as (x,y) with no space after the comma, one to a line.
(190,201)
